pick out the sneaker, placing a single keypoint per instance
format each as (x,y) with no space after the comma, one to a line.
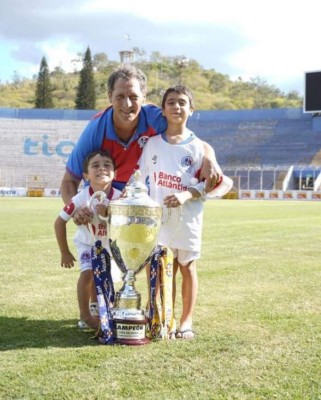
(82,325)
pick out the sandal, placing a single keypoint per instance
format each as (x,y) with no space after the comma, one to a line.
(172,335)
(187,334)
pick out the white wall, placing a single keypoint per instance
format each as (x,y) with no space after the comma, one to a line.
(33,152)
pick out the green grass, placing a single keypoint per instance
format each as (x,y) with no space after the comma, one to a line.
(258,313)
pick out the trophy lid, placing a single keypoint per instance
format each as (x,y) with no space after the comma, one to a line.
(136,193)
(133,224)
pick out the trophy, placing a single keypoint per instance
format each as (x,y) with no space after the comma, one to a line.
(133,225)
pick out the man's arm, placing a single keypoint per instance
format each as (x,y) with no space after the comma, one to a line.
(69,187)
(90,140)
(210,171)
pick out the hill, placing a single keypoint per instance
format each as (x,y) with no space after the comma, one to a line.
(212,90)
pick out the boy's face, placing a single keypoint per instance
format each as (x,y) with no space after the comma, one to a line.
(100,171)
(177,108)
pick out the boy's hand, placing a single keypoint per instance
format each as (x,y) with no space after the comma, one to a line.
(67,260)
(211,180)
(177,199)
(210,171)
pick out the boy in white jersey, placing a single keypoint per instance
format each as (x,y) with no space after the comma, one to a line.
(171,165)
(99,171)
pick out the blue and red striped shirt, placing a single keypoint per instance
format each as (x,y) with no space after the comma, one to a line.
(100,134)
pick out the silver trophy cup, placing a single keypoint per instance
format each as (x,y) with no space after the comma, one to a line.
(133,225)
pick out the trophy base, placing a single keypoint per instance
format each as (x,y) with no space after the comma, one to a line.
(130,332)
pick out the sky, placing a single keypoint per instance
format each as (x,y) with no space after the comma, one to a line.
(275,40)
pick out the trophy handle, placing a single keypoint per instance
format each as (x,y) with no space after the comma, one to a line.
(101,196)
(145,263)
(117,257)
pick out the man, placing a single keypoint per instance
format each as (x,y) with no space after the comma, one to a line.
(122,129)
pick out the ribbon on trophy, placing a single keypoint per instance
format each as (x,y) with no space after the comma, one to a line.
(161,317)
(101,266)
(105,292)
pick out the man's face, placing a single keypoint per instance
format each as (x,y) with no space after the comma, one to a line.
(127,99)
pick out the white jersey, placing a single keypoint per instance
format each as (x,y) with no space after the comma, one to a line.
(83,234)
(170,168)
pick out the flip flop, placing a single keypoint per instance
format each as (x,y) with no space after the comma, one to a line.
(172,335)
(180,334)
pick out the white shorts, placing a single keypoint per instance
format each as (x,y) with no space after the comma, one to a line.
(84,257)
(185,256)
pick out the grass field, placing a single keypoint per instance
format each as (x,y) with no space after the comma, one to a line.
(258,314)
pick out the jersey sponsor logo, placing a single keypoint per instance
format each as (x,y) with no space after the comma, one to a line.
(170,181)
(102,231)
(43,146)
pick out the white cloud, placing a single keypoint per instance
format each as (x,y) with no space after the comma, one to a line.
(275,40)
(62,54)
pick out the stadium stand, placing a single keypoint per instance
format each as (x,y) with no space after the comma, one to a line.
(259,146)
(256,148)
(278,137)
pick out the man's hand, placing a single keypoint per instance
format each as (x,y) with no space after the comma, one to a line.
(82,216)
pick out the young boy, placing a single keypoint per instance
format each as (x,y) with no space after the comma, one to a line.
(170,165)
(99,171)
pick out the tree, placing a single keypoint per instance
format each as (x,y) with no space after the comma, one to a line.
(139,53)
(86,96)
(218,82)
(100,61)
(16,80)
(43,88)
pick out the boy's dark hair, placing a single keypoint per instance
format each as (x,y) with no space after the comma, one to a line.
(180,89)
(127,72)
(103,153)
